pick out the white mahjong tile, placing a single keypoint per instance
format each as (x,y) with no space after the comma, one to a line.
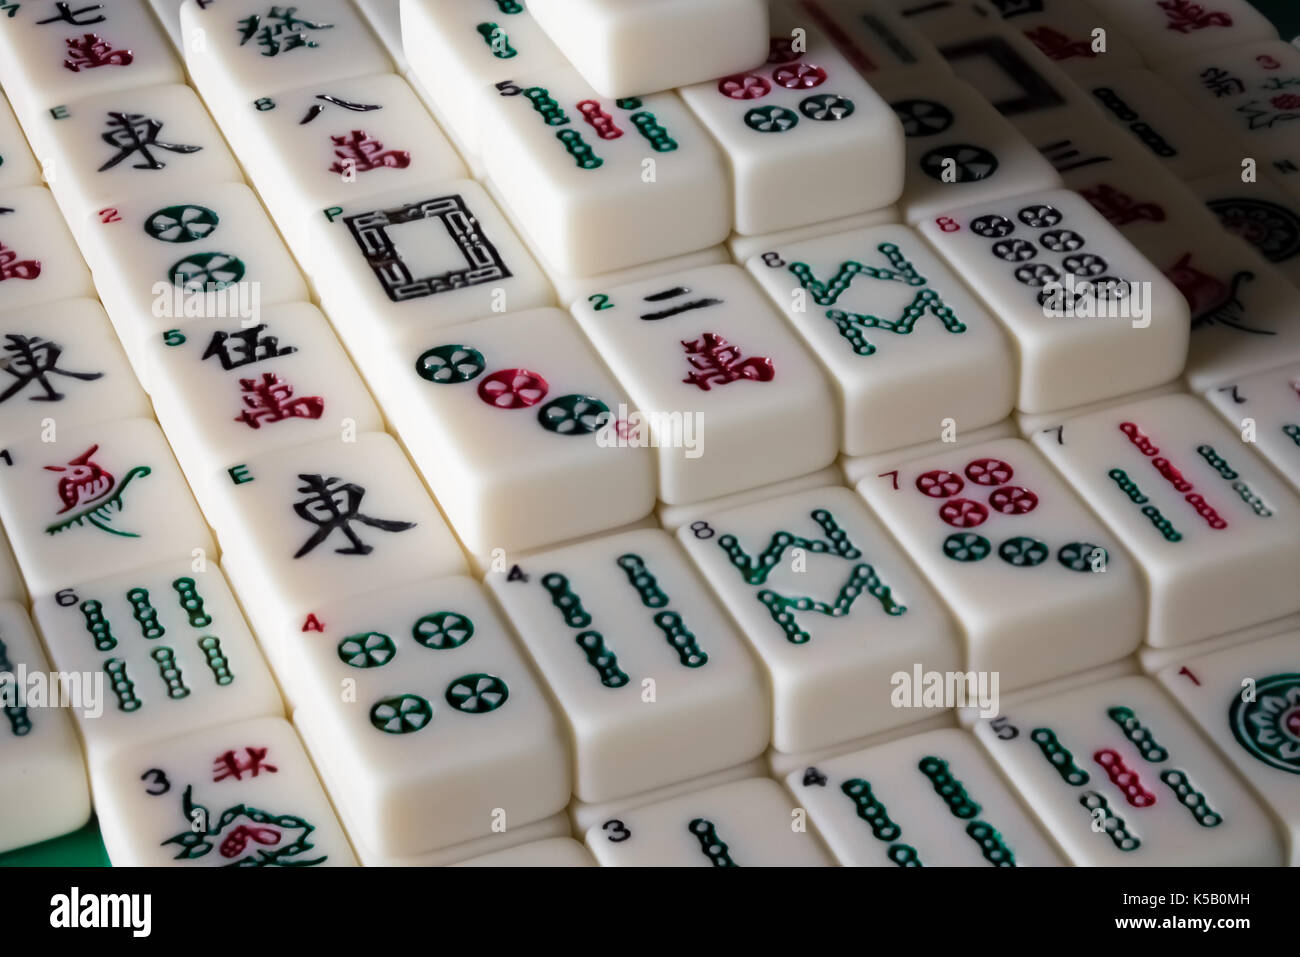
(43,792)
(1161,123)
(169,645)
(53,53)
(168,14)
(17,164)
(193,251)
(631,48)
(315,146)
(329,520)
(1040,588)
(1247,701)
(780,764)
(654,683)
(556,852)
(556,826)
(720,386)
(746,824)
(673,517)
(1067,32)
(1178,29)
(12,585)
(889,320)
(62,367)
(1091,317)
(928,800)
(238,52)
(600,184)
(1216,534)
(513,421)
(831,606)
(460,49)
(1027,426)
(572,289)
(226,389)
(744,248)
(1265,410)
(241,795)
(384,17)
(960,150)
(422,700)
(1262,213)
(1118,776)
(440,253)
(798,131)
(39,261)
(111,148)
(856,468)
(878,42)
(99,500)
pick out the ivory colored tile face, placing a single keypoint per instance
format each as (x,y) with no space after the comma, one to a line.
(117,146)
(832,608)
(1065,31)
(673,517)
(1266,407)
(511,420)
(553,827)
(556,852)
(1177,29)
(869,466)
(746,824)
(879,43)
(631,48)
(171,648)
(603,184)
(929,800)
(805,116)
(620,621)
(103,499)
(744,248)
(11,579)
(384,17)
(441,711)
(960,150)
(1090,316)
(1216,534)
(993,522)
(17,165)
(887,319)
(168,13)
(1245,699)
(719,384)
(63,366)
(39,261)
(52,54)
(1119,778)
(251,782)
(1261,213)
(43,792)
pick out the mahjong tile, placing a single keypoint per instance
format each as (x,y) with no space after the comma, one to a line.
(460,49)
(39,261)
(744,248)
(1178,29)
(746,824)
(17,165)
(12,585)
(798,131)
(54,53)
(168,13)
(631,48)
(654,683)
(928,800)
(959,148)
(1027,426)
(1265,410)
(602,184)
(1070,33)
(556,852)
(440,253)
(878,42)
(831,606)
(169,644)
(1154,660)
(62,368)
(473,161)
(888,319)
(111,148)
(43,792)
(384,17)
(227,389)
(1040,588)
(188,252)
(556,826)
(572,289)
(1118,776)
(1215,533)
(311,147)
(673,517)
(241,795)
(1090,316)
(780,764)
(239,52)
(512,422)
(720,386)
(101,499)
(1261,213)
(422,700)
(858,467)
(1247,701)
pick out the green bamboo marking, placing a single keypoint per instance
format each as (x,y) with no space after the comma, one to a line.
(714,848)
(123,686)
(218,663)
(20,723)
(1190,798)
(100,630)
(1113,824)
(144,612)
(192,602)
(1139,735)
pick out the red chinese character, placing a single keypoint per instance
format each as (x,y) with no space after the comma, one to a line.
(1203,292)
(1286,101)
(361,153)
(229,766)
(1120,208)
(1058,46)
(84,482)
(716,362)
(1186,16)
(11,267)
(89,51)
(270,399)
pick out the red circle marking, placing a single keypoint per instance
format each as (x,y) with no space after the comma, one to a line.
(801,76)
(1013,500)
(940,483)
(963,513)
(513,389)
(989,472)
(744,86)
